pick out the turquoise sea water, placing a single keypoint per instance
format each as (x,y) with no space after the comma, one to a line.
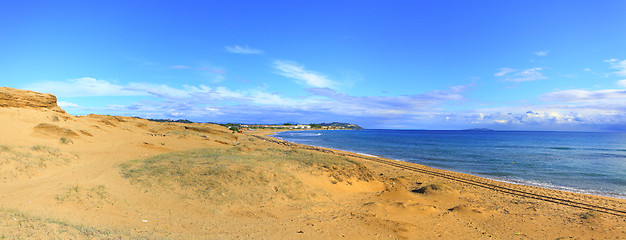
(593,163)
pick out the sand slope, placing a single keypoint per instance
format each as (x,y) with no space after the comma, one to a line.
(108,177)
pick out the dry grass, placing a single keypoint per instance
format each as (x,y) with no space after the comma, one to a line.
(239,174)
(183,133)
(16,161)
(5,148)
(18,225)
(90,197)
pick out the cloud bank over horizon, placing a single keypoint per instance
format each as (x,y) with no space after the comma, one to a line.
(575,109)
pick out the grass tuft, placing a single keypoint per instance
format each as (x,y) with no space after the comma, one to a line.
(91,197)
(65,140)
(5,148)
(587,215)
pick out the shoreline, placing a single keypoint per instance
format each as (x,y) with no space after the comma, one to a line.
(493,178)
(584,200)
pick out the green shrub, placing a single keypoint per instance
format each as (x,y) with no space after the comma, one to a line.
(65,140)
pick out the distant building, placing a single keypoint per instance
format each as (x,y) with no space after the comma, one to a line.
(297,126)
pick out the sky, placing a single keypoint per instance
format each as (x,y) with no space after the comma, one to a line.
(504,65)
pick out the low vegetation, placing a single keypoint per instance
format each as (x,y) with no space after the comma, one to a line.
(183,133)
(18,225)
(16,161)
(91,197)
(239,174)
(65,140)
(169,120)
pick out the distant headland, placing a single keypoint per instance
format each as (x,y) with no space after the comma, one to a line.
(239,126)
(320,126)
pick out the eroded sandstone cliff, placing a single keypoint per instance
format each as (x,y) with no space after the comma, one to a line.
(11,97)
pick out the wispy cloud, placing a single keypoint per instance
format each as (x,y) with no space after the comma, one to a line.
(578,95)
(504,71)
(180,67)
(301,75)
(514,75)
(383,106)
(619,66)
(243,50)
(622,83)
(541,53)
(213,70)
(82,87)
(201,94)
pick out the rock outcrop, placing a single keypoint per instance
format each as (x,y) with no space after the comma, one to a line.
(11,97)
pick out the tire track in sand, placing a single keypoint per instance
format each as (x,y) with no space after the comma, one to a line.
(581,201)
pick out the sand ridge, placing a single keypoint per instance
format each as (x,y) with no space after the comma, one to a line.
(111,177)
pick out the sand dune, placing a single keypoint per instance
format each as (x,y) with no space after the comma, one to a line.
(109,177)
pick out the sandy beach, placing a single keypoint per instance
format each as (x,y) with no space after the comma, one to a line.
(110,177)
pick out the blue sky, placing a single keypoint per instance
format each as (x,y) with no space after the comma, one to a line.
(507,65)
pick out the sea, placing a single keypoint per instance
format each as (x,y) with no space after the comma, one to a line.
(583,162)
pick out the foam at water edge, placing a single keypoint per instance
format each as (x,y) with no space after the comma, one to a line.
(553,187)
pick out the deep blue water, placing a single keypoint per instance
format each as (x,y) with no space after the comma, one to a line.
(593,163)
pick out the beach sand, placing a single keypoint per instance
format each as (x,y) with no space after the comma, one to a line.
(108,177)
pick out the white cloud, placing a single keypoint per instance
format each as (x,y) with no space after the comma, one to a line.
(264,98)
(180,67)
(621,83)
(514,75)
(585,116)
(63,104)
(504,71)
(243,50)
(578,95)
(225,93)
(619,66)
(538,117)
(82,87)
(383,106)
(189,94)
(157,90)
(214,111)
(541,53)
(305,77)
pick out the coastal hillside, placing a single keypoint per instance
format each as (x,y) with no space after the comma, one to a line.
(114,177)
(341,125)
